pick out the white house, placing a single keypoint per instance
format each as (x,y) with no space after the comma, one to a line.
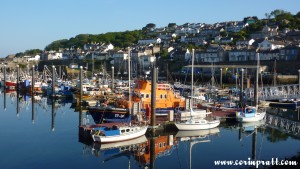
(270,45)
(54,55)
(35,58)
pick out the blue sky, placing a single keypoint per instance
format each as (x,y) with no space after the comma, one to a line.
(33,24)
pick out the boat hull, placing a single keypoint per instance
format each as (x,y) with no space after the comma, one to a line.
(122,137)
(101,113)
(193,125)
(257,117)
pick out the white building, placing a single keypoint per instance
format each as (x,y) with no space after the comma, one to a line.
(270,45)
(35,58)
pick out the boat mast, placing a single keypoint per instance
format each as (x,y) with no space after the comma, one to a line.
(256,81)
(192,80)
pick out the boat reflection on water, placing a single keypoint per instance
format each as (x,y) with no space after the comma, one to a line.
(139,148)
(117,149)
(196,137)
(251,126)
(251,129)
(189,135)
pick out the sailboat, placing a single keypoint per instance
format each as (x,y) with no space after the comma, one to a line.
(252,113)
(193,123)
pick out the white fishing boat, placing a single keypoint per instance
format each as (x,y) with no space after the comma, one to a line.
(251,114)
(197,124)
(193,123)
(117,133)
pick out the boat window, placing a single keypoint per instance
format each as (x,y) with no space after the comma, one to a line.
(165,96)
(122,131)
(147,95)
(142,95)
(161,96)
(160,145)
(165,144)
(127,130)
(114,127)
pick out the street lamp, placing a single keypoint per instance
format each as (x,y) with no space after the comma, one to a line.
(112,77)
(153,93)
(242,88)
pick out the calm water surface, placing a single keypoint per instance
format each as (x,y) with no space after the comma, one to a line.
(48,137)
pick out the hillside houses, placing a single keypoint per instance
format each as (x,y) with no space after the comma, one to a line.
(212,42)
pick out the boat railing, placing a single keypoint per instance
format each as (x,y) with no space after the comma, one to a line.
(163,86)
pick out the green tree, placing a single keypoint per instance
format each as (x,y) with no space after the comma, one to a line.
(172,25)
(150,26)
(32,52)
(277,12)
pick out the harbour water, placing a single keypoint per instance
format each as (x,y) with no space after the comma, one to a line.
(46,135)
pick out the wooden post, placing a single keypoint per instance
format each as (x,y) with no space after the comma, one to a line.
(53,81)
(32,95)
(32,81)
(18,77)
(4,73)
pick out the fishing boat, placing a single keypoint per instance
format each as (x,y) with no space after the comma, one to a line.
(197,124)
(251,114)
(117,133)
(193,123)
(109,113)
